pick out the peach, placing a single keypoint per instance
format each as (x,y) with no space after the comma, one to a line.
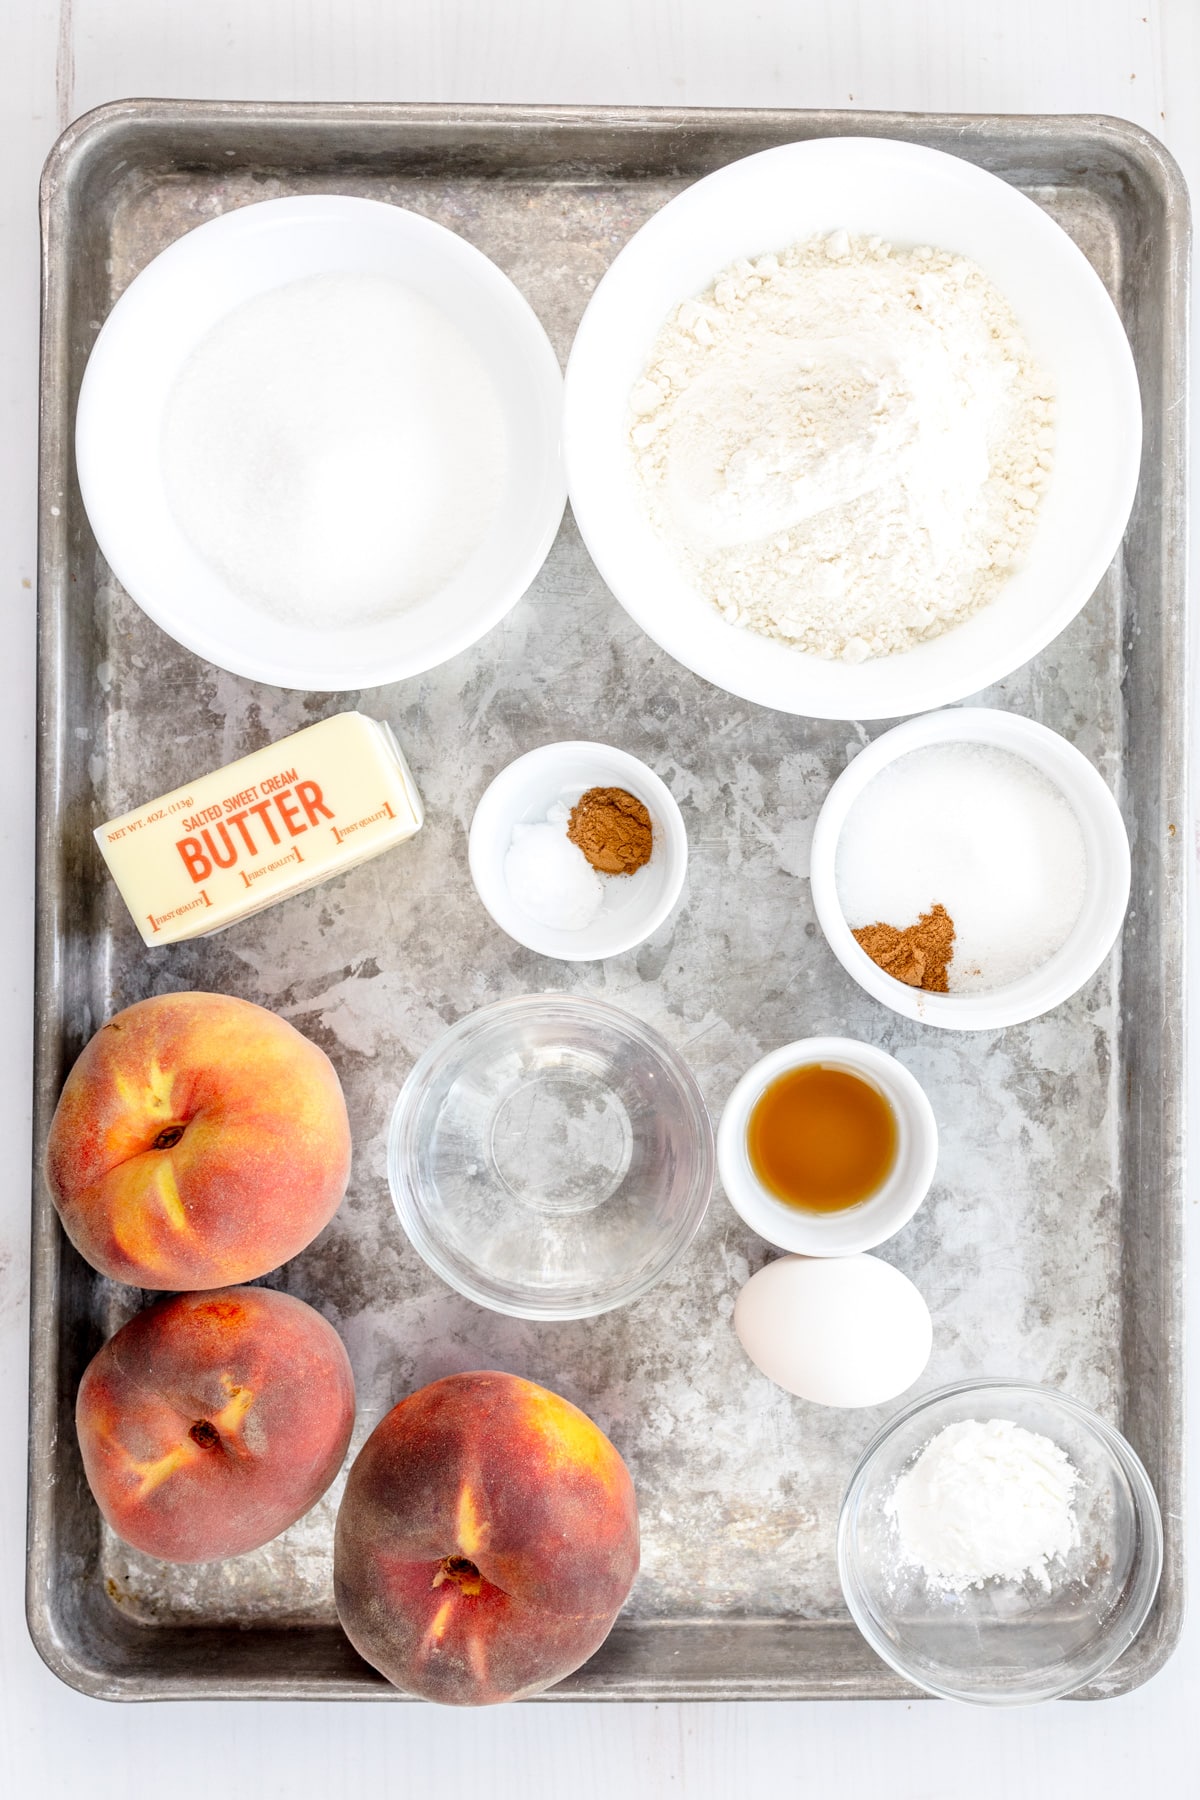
(199,1140)
(486,1541)
(213,1421)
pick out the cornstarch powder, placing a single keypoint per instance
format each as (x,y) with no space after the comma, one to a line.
(845,445)
(986,1500)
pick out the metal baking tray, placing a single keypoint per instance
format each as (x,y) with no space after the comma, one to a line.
(1050,1246)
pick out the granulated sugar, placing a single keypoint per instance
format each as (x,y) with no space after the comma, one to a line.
(335,449)
(980,832)
(844,445)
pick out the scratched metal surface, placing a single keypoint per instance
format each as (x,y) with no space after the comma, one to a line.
(1048,1248)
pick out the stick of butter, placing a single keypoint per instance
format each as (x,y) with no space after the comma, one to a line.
(277,821)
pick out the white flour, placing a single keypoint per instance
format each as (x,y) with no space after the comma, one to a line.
(335,448)
(986,1500)
(845,445)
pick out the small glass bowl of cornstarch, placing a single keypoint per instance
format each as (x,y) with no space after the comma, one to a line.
(999,1543)
(970,869)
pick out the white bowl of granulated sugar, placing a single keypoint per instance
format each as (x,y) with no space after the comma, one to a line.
(852,428)
(318,442)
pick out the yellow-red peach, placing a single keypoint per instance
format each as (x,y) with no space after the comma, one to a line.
(486,1540)
(212,1421)
(199,1140)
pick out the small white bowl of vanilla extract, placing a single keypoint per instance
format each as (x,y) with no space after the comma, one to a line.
(827,1147)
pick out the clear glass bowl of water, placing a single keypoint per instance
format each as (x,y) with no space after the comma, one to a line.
(1005,1643)
(551,1157)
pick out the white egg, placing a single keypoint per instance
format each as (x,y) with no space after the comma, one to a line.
(840,1330)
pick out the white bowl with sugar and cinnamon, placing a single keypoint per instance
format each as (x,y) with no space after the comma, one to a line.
(970,869)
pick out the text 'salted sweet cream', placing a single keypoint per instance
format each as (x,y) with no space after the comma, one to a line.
(277,821)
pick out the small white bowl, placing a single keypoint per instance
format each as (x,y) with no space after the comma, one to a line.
(1105,839)
(150,335)
(859,1227)
(522,794)
(908,195)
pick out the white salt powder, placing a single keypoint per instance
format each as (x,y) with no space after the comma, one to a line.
(549,877)
(982,833)
(986,1500)
(335,449)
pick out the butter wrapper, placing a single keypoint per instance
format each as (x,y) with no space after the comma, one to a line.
(271,824)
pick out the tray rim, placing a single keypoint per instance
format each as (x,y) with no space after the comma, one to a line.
(965,131)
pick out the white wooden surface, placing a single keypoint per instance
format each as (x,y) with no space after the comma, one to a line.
(1139,58)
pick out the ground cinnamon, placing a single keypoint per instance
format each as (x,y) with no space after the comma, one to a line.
(613,830)
(919,955)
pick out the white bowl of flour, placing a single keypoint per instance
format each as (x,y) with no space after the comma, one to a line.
(318,442)
(852,428)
